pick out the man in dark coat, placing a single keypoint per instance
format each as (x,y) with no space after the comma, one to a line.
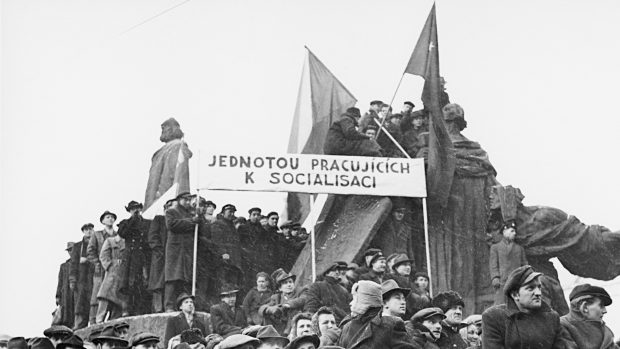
(181,224)
(395,235)
(452,305)
(136,259)
(329,292)
(227,318)
(157,236)
(376,266)
(372,113)
(81,278)
(525,321)
(392,126)
(64,293)
(225,236)
(584,324)
(343,138)
(186,319)
(505,256)
(366,328)
(258,247)
(412,127)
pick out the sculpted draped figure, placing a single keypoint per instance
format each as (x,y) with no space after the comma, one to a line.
(167,165)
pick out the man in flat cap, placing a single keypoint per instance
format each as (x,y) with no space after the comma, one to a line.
(157,237)
(391,126)
(505,256)
(144,340)
(329,292)
(452,305)
(187,318)
(343,138)
(64,293)
(57,333)
(136,259)
(227,317)
(525,321)
(365,327)
(376,264)
(81,277)
(179,258)
(121,329)
(372,113)
(424,327)
(239,341)
(95,243)
(584,324)
(308,341)
(170,163)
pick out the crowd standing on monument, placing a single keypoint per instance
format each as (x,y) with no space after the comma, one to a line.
(246,297)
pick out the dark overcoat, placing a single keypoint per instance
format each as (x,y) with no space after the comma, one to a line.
(583,333)
(394,237)
(82,275)
(282,320)
(136,256)
(226,239)
(253,300)
(225,321)
(328,292)
(450,338)
(256,246)
(374,332)
(344,139)
(179,245)
(505,327)
(157,236)
(177,324)
(64,296)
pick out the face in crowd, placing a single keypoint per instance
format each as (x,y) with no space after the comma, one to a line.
(304,326)
(147,345)
(110,344)
(262,283)
(371,132)
(187,306)
(593,310)
(254,217)
(108,220)
(287,286)
(509,233)
(407,108)
(209,210)
(417,122)
(228,214)
(421,282)
(379,265)
(398,215)
(273,220)
(434,326)
(184,202)
(403,269)
(230,299)
(396,304)
(264,221)
(473,335)
(326,322)
(454,315)
(528,297)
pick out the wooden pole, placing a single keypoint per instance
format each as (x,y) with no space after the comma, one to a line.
(428,250)
(392,138)
(390,105)
(313,243)
(195,264)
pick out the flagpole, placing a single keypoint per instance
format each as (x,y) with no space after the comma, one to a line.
(392,101)
(427,248)
(313,243)
(392,138)
(194,266)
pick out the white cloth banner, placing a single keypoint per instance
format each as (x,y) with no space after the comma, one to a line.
(308,173)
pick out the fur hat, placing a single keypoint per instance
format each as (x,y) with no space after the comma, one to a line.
(447,300)
(354,112)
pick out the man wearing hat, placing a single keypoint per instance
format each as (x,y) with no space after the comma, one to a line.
(394,235)
(329,292)
(73,342)
(407,108)
(372,113)
(584,324)
(308,341)
(424,328)
(108,340)
(111,300)
(343,138)
(257,246)
(95,243)
(81,277)
(370,131)
(179,259)
(270,338)
(144,340)
(366,327)
(227,318)
(187,318)
(134,269)
(525,321)
(57,333)
(40,343)
(226,241)
(419,298)
(376,264)
(239,341)
(505,256)
(451,303)
(64,293)
(210,207)
(121,329)
(412,127)
(394,299)
(284,304)
(157,237)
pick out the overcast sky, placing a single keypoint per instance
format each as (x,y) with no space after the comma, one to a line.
(84,91)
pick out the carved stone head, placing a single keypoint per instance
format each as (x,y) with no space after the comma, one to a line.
(170,130)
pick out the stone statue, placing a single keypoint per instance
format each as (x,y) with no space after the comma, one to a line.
(169,164)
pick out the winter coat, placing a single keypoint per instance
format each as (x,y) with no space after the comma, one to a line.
(179,245)
(367,119)
(420,336)
(282,320)
(411,142)
(111,261)
(82,275)
(587,334)
(394,237)
(226,239)
(257,251)
(330,293)
(177,324)
(389,148)
(371,332)
(226,321)
(253,300)
(374,276)
(505,327)
(137,254)
(344,139)
(95,243)
(504,258)
(418,300)
(157,236)
(64,296)
(450,338)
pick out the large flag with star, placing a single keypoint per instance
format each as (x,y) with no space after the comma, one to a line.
(321,99)
(424,62)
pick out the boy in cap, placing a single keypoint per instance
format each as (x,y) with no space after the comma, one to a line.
(424,328)
(394,299)
(376,264)
(366,327)
(227,318)
(420,298)
(584,324)
(330,292)
(452,305)
(81,277)
(505,256)
(525,321)
(95,243)
(144,340)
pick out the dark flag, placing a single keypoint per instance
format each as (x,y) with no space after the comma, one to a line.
(320,101)
(424,62)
